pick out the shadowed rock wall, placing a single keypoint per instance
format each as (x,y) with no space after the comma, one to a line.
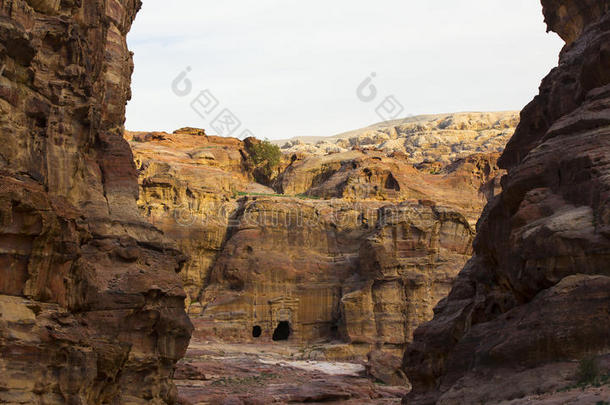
(91,305)
(538,288)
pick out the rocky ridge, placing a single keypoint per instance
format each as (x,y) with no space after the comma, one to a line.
(354,247)
(534,298)
(91,305)
(424,138)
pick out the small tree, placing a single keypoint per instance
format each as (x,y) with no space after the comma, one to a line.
(265,156)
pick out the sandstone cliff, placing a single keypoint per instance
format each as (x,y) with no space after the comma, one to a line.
(535,296)
(355,247)
(91,305)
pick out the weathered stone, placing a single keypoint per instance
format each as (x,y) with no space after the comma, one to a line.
(536,292)
(385,367)
(422,139)
(302,262)
(359,248)
(91,306)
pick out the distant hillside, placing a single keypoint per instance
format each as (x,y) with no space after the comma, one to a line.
(434,137)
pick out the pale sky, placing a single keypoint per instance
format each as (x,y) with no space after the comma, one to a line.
(292,68)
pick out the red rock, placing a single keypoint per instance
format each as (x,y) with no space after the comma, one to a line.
(362,266)
(91,306)
(536,292)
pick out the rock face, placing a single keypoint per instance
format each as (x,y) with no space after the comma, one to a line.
(465,184)
(91,305)
(329,269)
(189,186)
(356,246)
(537,291)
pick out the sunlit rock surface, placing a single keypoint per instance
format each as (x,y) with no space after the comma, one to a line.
(354,247)
(423,138)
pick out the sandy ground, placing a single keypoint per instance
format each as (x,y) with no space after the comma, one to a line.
(272,373)
(326,367)
(228,374)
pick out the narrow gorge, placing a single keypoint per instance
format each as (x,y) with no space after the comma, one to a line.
(458,258)
(355,246)
(340,252)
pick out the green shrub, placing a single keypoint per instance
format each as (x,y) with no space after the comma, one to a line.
(588,371)
(265,155)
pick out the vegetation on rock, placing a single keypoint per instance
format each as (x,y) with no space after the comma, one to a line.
(265,156)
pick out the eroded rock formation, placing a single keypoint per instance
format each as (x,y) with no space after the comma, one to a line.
(535,296)
(333,270)
(91,305)
(355,247)
(424,138)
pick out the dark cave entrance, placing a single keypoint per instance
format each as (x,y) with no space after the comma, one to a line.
(256,331)
(391,183)
(282,332)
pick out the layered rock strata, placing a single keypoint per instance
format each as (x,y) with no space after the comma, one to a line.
(535,296)
(366,274)
(91,305)
(355,247)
